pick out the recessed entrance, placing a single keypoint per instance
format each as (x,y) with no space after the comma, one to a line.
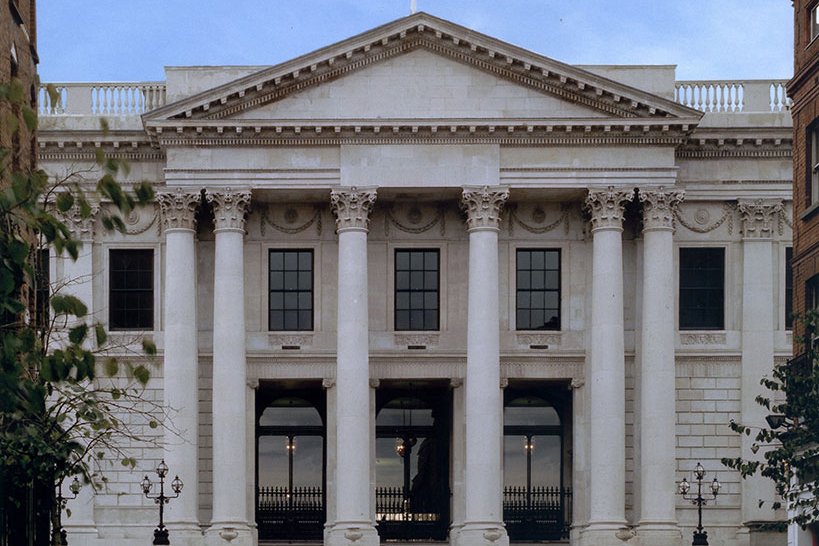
(537,462)
(290,462)
(413,424)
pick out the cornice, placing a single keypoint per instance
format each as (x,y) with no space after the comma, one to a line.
(441,37)
(85,145)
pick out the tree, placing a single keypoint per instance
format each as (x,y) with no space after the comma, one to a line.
(57,417)
(791,459)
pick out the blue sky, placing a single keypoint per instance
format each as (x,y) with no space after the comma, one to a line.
(132,40)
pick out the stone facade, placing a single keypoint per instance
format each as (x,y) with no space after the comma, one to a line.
(425,140)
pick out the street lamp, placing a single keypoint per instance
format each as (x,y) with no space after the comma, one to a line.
(161,533)
(58,534)
(700,536)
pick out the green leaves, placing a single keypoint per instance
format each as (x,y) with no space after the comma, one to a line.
(66,304)
(65,201)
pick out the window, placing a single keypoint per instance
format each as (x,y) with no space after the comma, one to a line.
(131,298)
(291,290)
(813,163)
(702,288)
(416,289)
(789,288)
(538,289)
(814,21)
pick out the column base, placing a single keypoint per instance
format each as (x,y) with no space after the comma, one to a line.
(607,534)
(231,533)
(352,533)
(485,533)
(184,534)
(659,534)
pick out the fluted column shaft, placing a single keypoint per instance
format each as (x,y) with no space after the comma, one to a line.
(181,355)
(657,378)
(353,433)
(483,483)
(606,378)
(230,472)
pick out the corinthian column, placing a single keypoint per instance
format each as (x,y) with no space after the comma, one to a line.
(658,525)
(354,437)
(758,221)
(606,377)
(483,478)
(181,362)
(230,472)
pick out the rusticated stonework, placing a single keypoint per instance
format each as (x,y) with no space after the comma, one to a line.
(607,207)
(352,208)
(759,217)
(229,209)
(178,209)
(81,228)
(483,206)
(659,208)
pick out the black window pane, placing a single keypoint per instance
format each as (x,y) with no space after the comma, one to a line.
(41,288)
(702,288)
(131,294)
(538,289)
(291,290)
(789,288)
(416,289)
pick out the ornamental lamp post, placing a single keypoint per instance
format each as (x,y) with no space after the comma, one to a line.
(700,536)
(58,535)
(161,533)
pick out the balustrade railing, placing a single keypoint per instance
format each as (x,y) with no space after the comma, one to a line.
(101,99)
(282,514)
(733,96)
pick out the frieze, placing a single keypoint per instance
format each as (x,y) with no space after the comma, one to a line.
(758,217)
(427,340)
(230,209)
(659,207)
(702,339)
(539,339)
(607,207)
(415,223)
(483,206)
(138,222)
(538,216)
(701,223)
(291,216)
(178,208)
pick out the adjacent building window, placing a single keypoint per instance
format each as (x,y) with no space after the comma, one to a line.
(416,289)
(702,288)
(814,21)
(291,290)
(789,288)
(131,297)
(40,291)
(538,289)
(813,162)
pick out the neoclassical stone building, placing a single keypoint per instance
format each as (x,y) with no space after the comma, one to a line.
(424,285)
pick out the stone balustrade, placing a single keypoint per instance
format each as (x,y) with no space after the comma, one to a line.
(741,96)
(102,99)
(136,98)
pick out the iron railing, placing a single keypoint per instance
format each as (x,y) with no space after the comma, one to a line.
(538,513)
(282,514)
(401,519)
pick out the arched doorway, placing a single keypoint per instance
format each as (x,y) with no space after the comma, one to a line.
(412,462)
(290,464)
(536,499)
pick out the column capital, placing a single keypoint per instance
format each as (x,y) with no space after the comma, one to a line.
(230,207)
(758,216)
(659,206)
(352,208)
(483,206)
(607,207)
(81,227)
(178,209)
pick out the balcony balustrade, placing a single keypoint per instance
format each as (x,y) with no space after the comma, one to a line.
(727,96)
(101,99)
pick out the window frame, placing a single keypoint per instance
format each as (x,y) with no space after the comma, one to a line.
(812,163)
(264,285)
(787,260)
(156,288)
(313,285)
(516,288)
(813,22)
(679,268)
(394,250)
